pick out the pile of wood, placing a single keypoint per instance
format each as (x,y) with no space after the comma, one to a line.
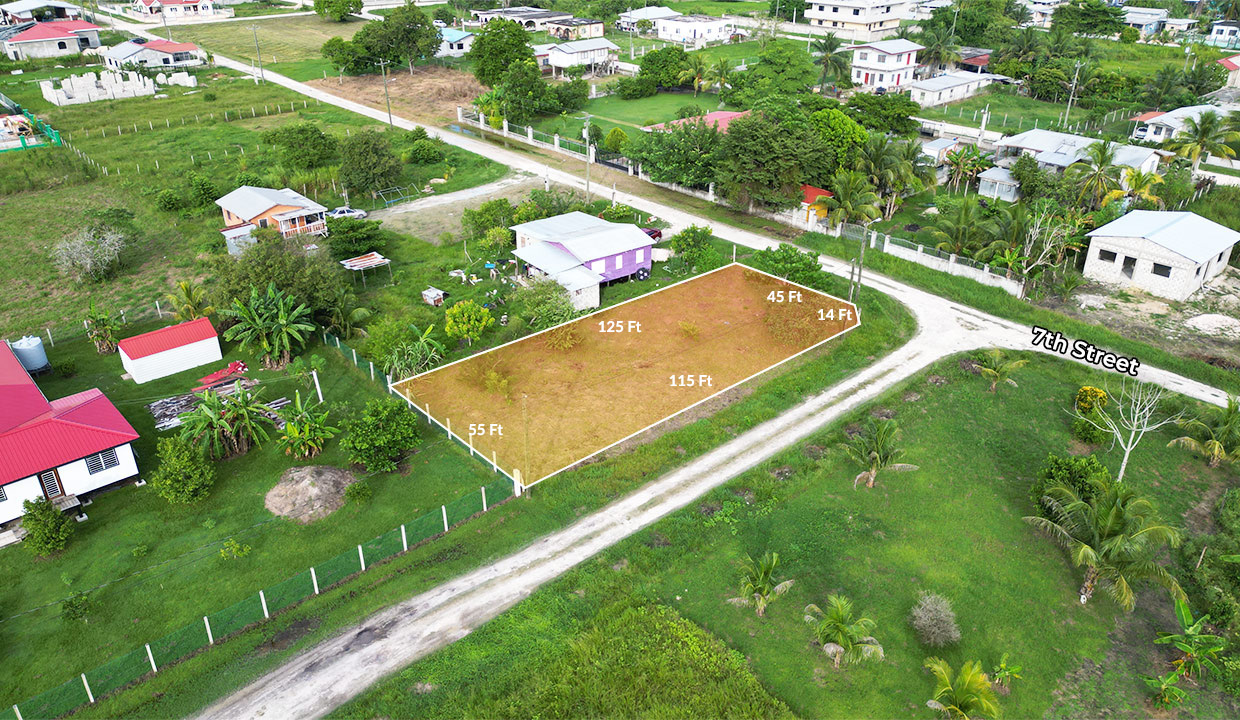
(168,411)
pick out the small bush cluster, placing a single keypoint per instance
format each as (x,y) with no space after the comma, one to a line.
(90,254)
(65,367)
(386,430)
(184,475)
(1089,401)
(233,550)
(564,337)
(934,621)
(47,529)
(688,329)
(496,382)
(1079,473)
(359,493)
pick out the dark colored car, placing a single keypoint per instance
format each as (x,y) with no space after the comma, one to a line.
(655,233)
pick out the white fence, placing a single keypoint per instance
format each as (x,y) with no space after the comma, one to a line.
(949,263)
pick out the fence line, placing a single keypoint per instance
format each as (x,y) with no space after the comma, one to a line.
(77,329)
(950,263)
(225,116)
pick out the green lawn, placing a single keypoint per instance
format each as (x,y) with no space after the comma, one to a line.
(954,527)
(1144,60)
(264,7)
(186,687)
(719,8)
(1009,113)
(290,45)
(157,566)
(629,115)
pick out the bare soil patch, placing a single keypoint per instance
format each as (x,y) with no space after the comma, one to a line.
(429,218)
(309,493)
(430,95)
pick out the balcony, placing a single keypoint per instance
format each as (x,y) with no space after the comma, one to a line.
(318,227)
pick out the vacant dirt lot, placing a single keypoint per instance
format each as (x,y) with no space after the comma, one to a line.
(430,95)
(559,406)
(430,217)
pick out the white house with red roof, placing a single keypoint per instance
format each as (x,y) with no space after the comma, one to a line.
(168,351)
(1232,66)
(59,450)
(58,38)
(153,53)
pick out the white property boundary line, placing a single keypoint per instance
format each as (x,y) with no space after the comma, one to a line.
(856,311)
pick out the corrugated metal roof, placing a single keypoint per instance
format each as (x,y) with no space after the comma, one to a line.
(20,399)
(606,242)
(549,258)
(578,278)
(169,338)
(1184,233)
(249,202)
(453,35)
(891,47)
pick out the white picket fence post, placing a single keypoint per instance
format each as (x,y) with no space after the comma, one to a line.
(484,498)
(150,656)
(210,637)
(86,685)
(361,556)
(444,508)
(314,578)
(404,540)
(262,597)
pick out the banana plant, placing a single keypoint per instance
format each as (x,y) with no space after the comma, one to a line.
(1199,650)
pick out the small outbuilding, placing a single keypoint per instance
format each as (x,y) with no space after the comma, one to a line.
(170,350)
(1168,254)
(999,184)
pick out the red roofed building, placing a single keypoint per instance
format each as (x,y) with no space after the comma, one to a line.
(60,449)
(1232,65)
(48,39)
(720,119)
(170,350)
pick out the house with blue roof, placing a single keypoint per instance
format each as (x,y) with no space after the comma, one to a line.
(454,42)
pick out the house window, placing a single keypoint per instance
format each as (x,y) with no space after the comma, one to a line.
(1220,256)
(1198,273)
(598,266)
(1162,270)
(863,56)
(856,11)
(618,261)
(51,486)
(641,255)
(61,45)
(103,461)
(262,223)
(1106,256)
(3,497)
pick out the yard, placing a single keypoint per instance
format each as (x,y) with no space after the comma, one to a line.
(1011,113)
(289,45)
(954,526)
(1144,60)
(630,116)
(559,406)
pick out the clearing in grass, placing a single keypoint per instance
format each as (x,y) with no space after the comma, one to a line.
(541,404)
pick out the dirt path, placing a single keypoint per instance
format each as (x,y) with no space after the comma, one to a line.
(429,217)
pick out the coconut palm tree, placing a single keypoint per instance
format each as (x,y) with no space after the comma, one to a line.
(874,449)
(831,59)
(719,76)
(759,587)
(1203,135)
(1200,79)
(852,200)
(939,49)
(964,230)
(1011,227)
(997,368)
(1114,536)
(843,637)
(967,695)
(189,301)
(1026,46)
(101,328)
(1216,436)
(1162,85)
(696,71)
(1140,184)
(1096,173)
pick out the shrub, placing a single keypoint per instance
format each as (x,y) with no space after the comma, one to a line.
(1230,675)
(233,550)
(183,475)
(1090,398)
(386,430)
(423,152)
(168,200)
(495,382)
(208,97)
(350,237)
(934,621)
(565,337)
(1078,473)
(247,177)
(139,551)
(1228,511)
(90,253)
(47,529)
(76,607)
(615,140)
(359,493)
(201,190)
(634,88)
(416,134)
(1087,432)
(618,213)
(546,304)
(688,329)
(65,367)
(689,111)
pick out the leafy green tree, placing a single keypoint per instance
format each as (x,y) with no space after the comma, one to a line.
(386,430)
(499,45)
(759,587)
(306,431)
(841,135)
(790,263)
(995,366)
(571,96)
(790,10)
(884,114)
(1115,536)
(497,212)
(1048,83)
(315,279)
(966,695)
(1203,135)
(546,304)
(367,163)
(303,145)
(444,14)
(273,323)
(349,237)
(496,242)
(183,475)
(783,71)
(616,140)
(405,36)
(765,156)
(47,529)
(338,10)
(664,66)
(1094,17)
(522,94)
(1129,35)
(1083,474)
(874,449)
(843,636)
(346,56)
(467,320)
(688,154)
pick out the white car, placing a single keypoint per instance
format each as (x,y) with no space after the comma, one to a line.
(441,24)
(346,212)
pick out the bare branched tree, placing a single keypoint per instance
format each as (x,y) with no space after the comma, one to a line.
(89,254)
(1133,415)
(1045,241)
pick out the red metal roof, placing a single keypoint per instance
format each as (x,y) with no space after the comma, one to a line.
(173,336)
(1231,63)
(811,193)
(49,435)
(978,60)
(1147,116)
(719,118)
(59,30)
(167,46)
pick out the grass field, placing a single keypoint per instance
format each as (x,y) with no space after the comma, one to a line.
(290,46)
(954,526)
(629,115)
(263,7)
(559,406)
(1145,60)
(1009,113)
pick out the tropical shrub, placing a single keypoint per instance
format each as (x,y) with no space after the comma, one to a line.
(1082,473)
(350,237)
(967,695)
(759,587)
(76,607)
(47,529)
(359,493)
(183,474)
(168,200)
(467,320)
(101,328)
(273,323)
(423,152)
(233,550)
(226,426)
(842,636)
(564,337)
(306,431)
(92,254)
(934,621)
(386,430)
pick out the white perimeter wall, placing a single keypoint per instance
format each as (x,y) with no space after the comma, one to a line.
(171,362)
(74,478)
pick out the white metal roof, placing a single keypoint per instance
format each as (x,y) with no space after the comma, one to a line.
(124,50)
(941,144)
(1183,233)
(560,227)
(946,81)
(653,12)
(998,175)
(580,46)
(1063,149)
(547,257)
(248,201)
(605,242)
(24,5)
(891,47)
(578,278)
(1175,119)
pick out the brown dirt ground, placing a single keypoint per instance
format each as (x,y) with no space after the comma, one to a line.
(430,222)
(430,95)
(563,405)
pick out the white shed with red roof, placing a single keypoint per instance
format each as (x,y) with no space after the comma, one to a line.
(59,449)
(170,350)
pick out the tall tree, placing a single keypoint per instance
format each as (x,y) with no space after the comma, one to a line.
(1096,173)
(688,154)
(963,231)
(940,48)
(406,35)
(498,45)
(832,58)
(338,10)
(852,200)
(1203,135)
(695,73)
(764,160)
(367,163)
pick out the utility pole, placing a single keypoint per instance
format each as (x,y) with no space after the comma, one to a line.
(1072,93)
(164,16)
(585,133)
(383,68)
(254,29)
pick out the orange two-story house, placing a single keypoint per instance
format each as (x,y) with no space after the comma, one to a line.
(288,211)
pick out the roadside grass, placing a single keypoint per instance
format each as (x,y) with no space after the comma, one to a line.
(954,526)
(1144,60)
(159,564)
(719,8)
(263,7)
(187,687)
(1222,205)
(280,40)
(1220,169)
(629,115)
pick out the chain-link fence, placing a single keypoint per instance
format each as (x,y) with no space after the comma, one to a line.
(215,627)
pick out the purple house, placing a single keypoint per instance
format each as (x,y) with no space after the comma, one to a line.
(581,252)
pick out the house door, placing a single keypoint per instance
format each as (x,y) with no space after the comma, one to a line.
(1129,264)
(51,484)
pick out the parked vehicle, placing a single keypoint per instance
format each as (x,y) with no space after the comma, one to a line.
(655,233)
(345,211)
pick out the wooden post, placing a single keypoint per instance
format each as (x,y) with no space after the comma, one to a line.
(444,508)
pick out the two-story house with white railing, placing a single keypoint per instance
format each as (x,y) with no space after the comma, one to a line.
(859,20)
(884,65)
(287,211)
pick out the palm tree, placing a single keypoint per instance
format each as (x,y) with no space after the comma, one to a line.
(834,62)
(913,173)
(843,637)
(1162,85)
(758,585)
(345,316)
(718,76)
(965,163)
(1011,227)
(963,231)
(1200,79)
(101,328)
(995,367)
(696,71)
(274,323)
(874,449)
(189,301)
(1233,121)
(853,200)
(1096,173)
(1216,437)
(967,695)
(1026,46)
(1114,535)
(940,48)
(1203,135)
(1140,187)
